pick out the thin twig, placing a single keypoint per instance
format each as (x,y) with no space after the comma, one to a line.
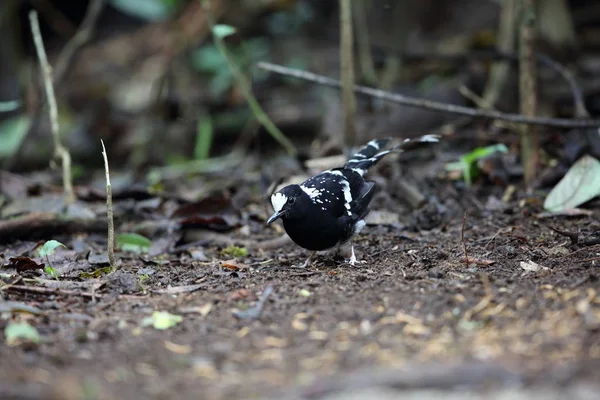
(432,105)
(347,74)
(82,36)
(462,238)
(245,87)
(109,214)
(254,312)
(59,150)
(580,109)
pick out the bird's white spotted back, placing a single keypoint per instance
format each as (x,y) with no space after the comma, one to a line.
(311,191)
(346,189)
(278,200)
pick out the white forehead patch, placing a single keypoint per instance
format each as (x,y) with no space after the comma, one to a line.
(312,192)
(278,200)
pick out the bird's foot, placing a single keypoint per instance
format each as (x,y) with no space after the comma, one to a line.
(353,261)
(308,261)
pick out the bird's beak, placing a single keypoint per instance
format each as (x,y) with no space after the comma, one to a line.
(274,217)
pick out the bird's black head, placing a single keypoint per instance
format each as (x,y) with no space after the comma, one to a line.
(288,202)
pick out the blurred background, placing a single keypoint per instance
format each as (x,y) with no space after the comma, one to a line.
(148,79)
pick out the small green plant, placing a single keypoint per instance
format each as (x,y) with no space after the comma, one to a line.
(162,320)
(204,138)
(234,251)
(19,332)
(46,251)
(133,242)
(468,162)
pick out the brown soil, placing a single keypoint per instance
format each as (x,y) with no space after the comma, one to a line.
(414,316)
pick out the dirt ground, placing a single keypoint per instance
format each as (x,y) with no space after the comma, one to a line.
(520,320)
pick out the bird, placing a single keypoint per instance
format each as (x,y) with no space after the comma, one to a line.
(327,210)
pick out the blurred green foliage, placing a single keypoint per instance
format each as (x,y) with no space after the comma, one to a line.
(12,132)
(209,60)
(148,10)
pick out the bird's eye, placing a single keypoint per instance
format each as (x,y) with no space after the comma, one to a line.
(291,200)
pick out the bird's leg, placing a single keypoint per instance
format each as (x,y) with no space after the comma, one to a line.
(308,260)
(352,260)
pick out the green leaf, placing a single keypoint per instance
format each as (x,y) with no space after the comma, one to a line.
(8,106)
(204,138)
(579,185)
(12,133)
(133,242)
(468,162)
(96,273)
(17,332)
(234,251)
(209,59)
(51,271)
(162,320)
(222,31)
(148,10)
(50,247)
(221,83)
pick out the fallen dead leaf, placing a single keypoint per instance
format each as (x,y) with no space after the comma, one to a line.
(22,264)
(240,294)
(531,266)
(477,261)
(233,265)
(177,348)
(180,289)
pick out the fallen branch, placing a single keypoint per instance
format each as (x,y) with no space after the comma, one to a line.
(49,291)
(432,105)
(43,224)
(59,150)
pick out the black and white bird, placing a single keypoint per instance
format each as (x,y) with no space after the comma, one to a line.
(327,210)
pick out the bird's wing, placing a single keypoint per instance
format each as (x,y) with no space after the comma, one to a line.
(333,191)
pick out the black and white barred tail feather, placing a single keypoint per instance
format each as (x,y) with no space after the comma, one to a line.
(370,154)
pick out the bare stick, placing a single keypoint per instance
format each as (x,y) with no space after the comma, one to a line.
(109,214)
(347,73)
(82,36)
(530,142)
(432,105)
(462,238)
(59,150)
